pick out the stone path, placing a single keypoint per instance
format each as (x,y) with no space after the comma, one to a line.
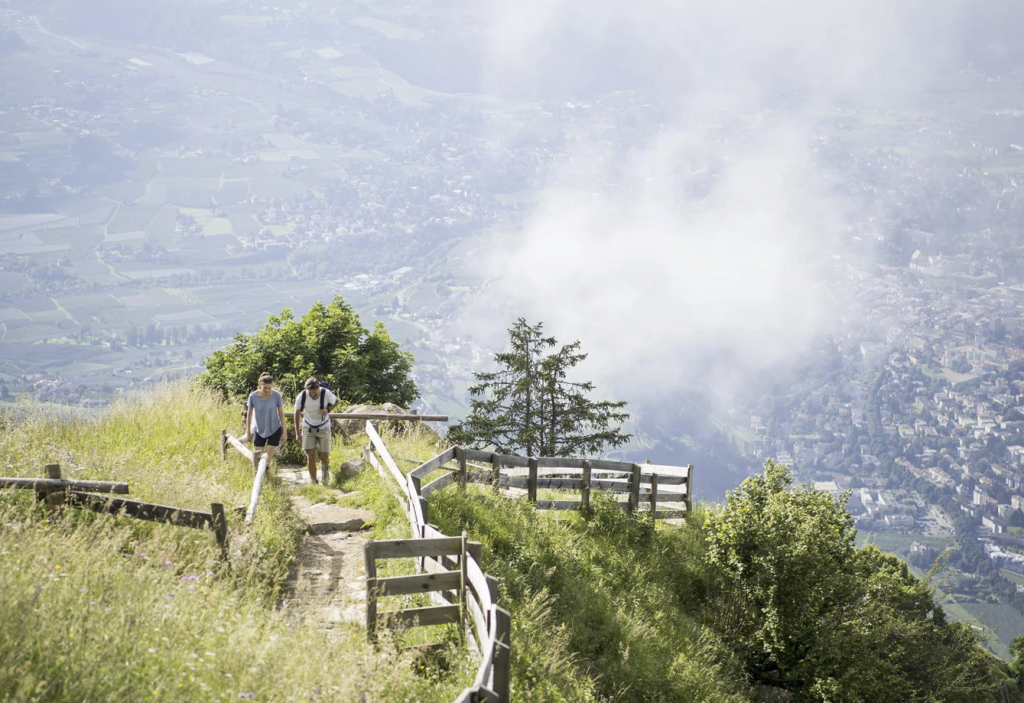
(328,585)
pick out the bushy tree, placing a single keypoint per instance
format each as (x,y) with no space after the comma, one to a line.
(1016,666)
(530,406)
(809,612)
(328,342)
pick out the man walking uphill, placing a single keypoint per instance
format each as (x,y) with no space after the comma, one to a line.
(313,423)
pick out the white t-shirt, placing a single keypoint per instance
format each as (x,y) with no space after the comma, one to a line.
(311,414)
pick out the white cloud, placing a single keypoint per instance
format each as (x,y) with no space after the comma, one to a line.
(694,260)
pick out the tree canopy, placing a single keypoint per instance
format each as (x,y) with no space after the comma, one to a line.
(809,612)
(328,342)
(530,406)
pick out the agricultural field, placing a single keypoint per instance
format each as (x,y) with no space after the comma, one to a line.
(898,543)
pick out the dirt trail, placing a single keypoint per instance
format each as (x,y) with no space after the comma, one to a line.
(329,584)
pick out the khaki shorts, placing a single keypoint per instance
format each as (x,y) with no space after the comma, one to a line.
(317,439)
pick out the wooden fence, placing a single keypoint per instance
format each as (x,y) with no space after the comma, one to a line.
(449,569)
(643,484)
(460,590)
(56,491)
(463,578)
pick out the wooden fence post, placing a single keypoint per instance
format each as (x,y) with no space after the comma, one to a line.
(634,489)
(585,492)
(492,588)
(463,555)
(476,550)
(418,497)
(531,482)
(460,455)
(502,654)
(370,562)
(220,526)
(689,489)
(53,497)
(223,445)
(495,472)
(654,496)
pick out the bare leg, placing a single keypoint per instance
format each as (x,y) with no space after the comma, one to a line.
(311,464)
(325,464)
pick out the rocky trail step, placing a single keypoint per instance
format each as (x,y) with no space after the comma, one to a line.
(328,585)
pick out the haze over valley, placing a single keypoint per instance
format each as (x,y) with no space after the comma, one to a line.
(789,232)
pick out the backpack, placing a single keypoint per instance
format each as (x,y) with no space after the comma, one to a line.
(302,401)
(302,406)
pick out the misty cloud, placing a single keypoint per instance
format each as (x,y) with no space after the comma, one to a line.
(697,259)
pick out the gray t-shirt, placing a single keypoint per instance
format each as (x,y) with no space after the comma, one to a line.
(265,417)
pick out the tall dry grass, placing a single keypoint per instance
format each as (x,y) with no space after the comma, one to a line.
(103,608)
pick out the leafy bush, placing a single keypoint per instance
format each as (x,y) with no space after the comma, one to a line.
(328,342)
(807,611)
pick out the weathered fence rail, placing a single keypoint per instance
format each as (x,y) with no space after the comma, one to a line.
(257,486)
(94,495)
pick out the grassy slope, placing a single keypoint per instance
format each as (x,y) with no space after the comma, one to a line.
(120,610)
(108,609)
(600,607)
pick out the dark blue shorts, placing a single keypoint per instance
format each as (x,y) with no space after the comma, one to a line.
(273,440)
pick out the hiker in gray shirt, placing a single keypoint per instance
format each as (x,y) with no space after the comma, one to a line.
(264,421)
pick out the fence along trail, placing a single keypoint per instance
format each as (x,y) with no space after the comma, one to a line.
(460,579)
(449,568)
(56,492)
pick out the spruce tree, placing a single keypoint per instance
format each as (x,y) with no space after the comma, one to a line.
(529,406)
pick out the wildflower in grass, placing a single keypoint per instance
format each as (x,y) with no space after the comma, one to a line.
(247,694)
(168,563)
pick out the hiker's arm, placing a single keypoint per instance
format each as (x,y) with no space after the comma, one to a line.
(297,419)
(284,428)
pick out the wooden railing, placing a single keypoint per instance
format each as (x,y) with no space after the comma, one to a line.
(478,592)
(56,491)
(458,586)
(260,462)
(642,483)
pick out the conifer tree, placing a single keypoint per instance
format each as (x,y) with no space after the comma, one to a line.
(530,406)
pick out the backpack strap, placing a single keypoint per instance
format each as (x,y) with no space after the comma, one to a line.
(302,401)
(323,394)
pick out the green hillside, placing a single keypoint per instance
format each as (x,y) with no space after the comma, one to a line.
(610,608)
(121,610)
